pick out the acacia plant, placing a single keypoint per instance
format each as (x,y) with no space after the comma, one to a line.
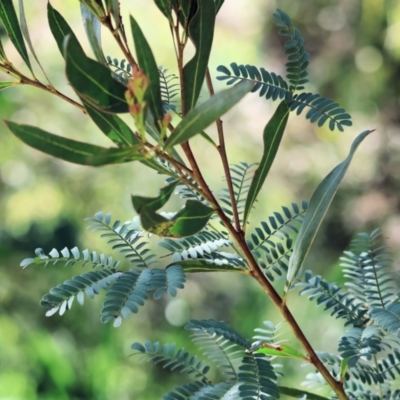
(210,233)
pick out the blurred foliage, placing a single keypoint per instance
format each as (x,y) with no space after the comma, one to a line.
(355,59)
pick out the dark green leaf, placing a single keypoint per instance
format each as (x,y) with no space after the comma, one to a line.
(4,85)
(60,30)
(112,126)
(154,203)
(25,32)
(72,150)
(93,32)
(272,136)
(297,393)
(205,114)
(165,7)
(3,56)
(10,21)
(93,81)
(218,5)
(319,204)
(189,220)
(202,265)
(201,32)
(148,65)
(95,6)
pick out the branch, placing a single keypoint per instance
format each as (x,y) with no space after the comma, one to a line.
(224,158)
(24,80)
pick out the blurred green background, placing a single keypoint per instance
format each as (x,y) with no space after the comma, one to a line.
(355,59)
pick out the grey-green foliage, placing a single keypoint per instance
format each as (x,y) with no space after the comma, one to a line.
(368,346)
(244,375)
(273,86)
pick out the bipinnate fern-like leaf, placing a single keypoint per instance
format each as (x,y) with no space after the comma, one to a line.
(169,88)
(70,257)
(270,333)
(203,245)
(241,175)
(341,304)
(388,318)
(321,110)
(297,64)
(130,290)
(126,237)
(61,297)
(271,242)
(211,392)
(122,71)
(269,84)
(257,378)
(358,342)
(126,295)
(367,267)
(169,358)
(219,342)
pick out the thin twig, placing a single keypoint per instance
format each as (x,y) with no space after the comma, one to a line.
(24,80)
(224,158)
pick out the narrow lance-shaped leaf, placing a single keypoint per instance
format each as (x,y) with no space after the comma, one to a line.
(218,5)
(4,85)
(206,113)
(148,65)
(278,350)
(201,32)
(300,393)
(72,150)
(191,219)
(93,81)
(272,136)
(165,7)
(60,30)
(201,265)
(112,126)
(154,203)
(92,27)
(319,204)
(25,32)
(3,56)
(10,21)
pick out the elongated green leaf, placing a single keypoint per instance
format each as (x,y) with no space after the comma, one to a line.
(112,126)
(148,65)
(272,136)
(189,220)
(10,21)
(279,350)
(3,56)
(92,27)
(202,265)
(201,32)
(154,203)
(165,7)
(25,32)
(95,6)
(218,5)
(300,393)
(60,30)
(72,150)
(205,114)
(319,204)
(4,85)
(93,81)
